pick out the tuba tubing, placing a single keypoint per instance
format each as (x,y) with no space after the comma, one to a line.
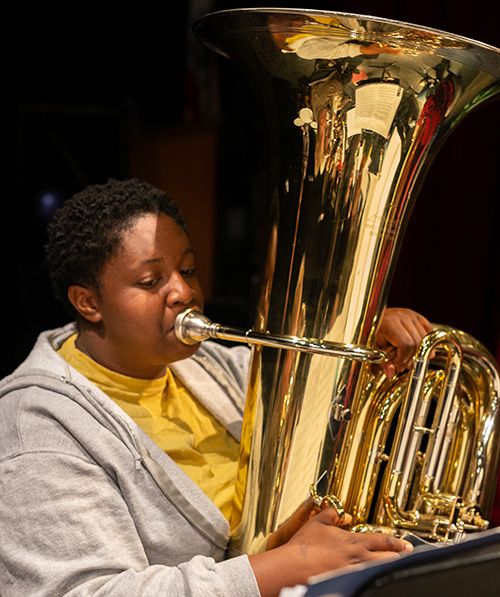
(192,326)
(355,108)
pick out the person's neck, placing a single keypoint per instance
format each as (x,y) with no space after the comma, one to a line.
(94,345)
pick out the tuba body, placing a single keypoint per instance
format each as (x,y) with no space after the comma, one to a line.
(355,108)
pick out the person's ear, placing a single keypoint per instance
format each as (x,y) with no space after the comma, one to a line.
(84,301)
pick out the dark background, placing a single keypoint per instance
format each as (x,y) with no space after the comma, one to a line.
(98,90)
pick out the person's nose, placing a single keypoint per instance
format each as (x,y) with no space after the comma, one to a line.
(180,291)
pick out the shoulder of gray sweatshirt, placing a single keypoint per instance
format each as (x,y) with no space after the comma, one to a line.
(90,505)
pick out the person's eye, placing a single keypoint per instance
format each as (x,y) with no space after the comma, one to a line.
(188,272)
(149,283)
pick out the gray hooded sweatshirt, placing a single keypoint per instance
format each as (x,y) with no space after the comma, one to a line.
(89,505)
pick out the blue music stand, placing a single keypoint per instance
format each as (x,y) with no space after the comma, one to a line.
(467,569)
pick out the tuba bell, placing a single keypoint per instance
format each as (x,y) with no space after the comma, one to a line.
(355,108)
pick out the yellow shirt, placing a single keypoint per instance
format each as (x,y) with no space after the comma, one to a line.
(174,420)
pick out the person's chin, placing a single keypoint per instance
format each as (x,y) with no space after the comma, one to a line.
(183,351)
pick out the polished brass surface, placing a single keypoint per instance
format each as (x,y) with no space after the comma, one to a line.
(331,501)
(355,108)
(192,327)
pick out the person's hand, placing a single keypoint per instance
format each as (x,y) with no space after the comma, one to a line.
(297,520)
(320,546)
(322,542)
(399,333)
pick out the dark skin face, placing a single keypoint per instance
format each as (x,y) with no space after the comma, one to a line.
(128,322)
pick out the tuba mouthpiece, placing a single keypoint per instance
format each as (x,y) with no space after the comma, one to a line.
(191,326)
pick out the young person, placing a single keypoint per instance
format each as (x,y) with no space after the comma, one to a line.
(118,444)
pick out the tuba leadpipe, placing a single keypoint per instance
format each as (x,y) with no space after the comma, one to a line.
(192,326)
(355,108)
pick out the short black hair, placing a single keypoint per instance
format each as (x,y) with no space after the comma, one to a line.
(87,230)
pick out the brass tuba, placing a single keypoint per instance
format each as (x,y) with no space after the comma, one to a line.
(355,108)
